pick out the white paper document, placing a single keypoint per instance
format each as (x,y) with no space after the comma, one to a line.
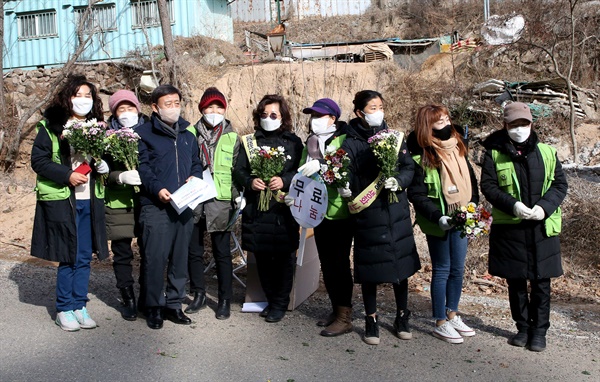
(254,307)
(194,192)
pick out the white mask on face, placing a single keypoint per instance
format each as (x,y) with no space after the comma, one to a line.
(319,125)
(128,119)
(269,124)
(214,119)
(519,134)
(169,116)
(374,119)
(82,106)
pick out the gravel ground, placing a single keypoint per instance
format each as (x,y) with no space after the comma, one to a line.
(245,348)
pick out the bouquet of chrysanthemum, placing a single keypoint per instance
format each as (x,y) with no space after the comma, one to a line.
(122,146)
(87,138)
(335,170)
(385,147)
(472,220)
(266,162)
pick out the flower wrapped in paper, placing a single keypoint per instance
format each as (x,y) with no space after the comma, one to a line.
(472,220)
(267,162)
(335,170)
(384,145)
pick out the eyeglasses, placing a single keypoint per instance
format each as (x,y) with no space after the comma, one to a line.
(272,116)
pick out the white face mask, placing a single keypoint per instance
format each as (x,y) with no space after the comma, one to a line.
(82,106)
(374,119)
(170,115)
(319,125)
(269,124)
(128,119)
(214,119)
(519,134)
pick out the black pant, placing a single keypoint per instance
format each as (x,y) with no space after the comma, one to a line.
(369,291)
(276,275)
(166,238)
(530,311)
(334,241)
(221,249)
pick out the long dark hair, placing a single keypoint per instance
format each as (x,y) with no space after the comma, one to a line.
(62,99)
(286,116)
(426,116)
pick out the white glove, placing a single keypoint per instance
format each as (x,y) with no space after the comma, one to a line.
(288,200)
(445,223)
(102,167)
(391,184)
(345,191)
(309,168)
(131,177)
(521,211)
(537,213)
(240,202)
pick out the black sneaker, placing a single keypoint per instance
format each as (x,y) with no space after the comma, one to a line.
(401,325)
(537,343)
(519,339)
(371,330)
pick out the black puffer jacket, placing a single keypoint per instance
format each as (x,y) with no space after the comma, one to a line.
(384,246)
(417,192)
(522,250)
(275,230)
(54,235)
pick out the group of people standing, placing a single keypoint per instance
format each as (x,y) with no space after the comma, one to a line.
(521,178)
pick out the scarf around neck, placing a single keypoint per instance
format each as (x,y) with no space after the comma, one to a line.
(316,142)
(207,142)
(454,174)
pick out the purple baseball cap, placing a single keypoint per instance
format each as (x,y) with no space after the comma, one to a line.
(325,106)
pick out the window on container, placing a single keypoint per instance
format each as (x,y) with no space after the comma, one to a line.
(101,18)
(36,25)
(145,13)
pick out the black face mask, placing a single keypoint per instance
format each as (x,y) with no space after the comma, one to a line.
(443,134)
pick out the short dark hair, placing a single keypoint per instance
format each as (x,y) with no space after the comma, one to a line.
(62,99)
(286,116)
(163,90)
(362,98)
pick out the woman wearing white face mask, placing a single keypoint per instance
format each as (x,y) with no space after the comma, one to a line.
(523,180)
(384,246)
(272,235)
(122,204)
(69,221)
(326,130)
(219,147)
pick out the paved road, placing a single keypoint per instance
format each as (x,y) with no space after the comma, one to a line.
(245,348)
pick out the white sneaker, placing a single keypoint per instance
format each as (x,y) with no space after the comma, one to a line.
(447,333)
(462,329)
(67,321)
(84,319)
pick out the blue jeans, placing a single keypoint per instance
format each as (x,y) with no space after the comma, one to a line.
(448,263)
(72,279)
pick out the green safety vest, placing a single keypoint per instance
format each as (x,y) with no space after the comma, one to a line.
(434,192)
(46,189)
(337,207)
(119,196)
(222,163)
(508,182)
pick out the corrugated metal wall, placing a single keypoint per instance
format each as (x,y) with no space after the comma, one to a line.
(266,10)
(192,17)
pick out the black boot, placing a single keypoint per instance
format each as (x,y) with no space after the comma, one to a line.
(129,311)
(198,303)
(223,310)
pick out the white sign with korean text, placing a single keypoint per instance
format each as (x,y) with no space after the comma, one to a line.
(310,200)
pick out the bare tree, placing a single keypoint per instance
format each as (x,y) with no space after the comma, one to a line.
(2,98)
(165,23)
(13,149)
(560,43)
